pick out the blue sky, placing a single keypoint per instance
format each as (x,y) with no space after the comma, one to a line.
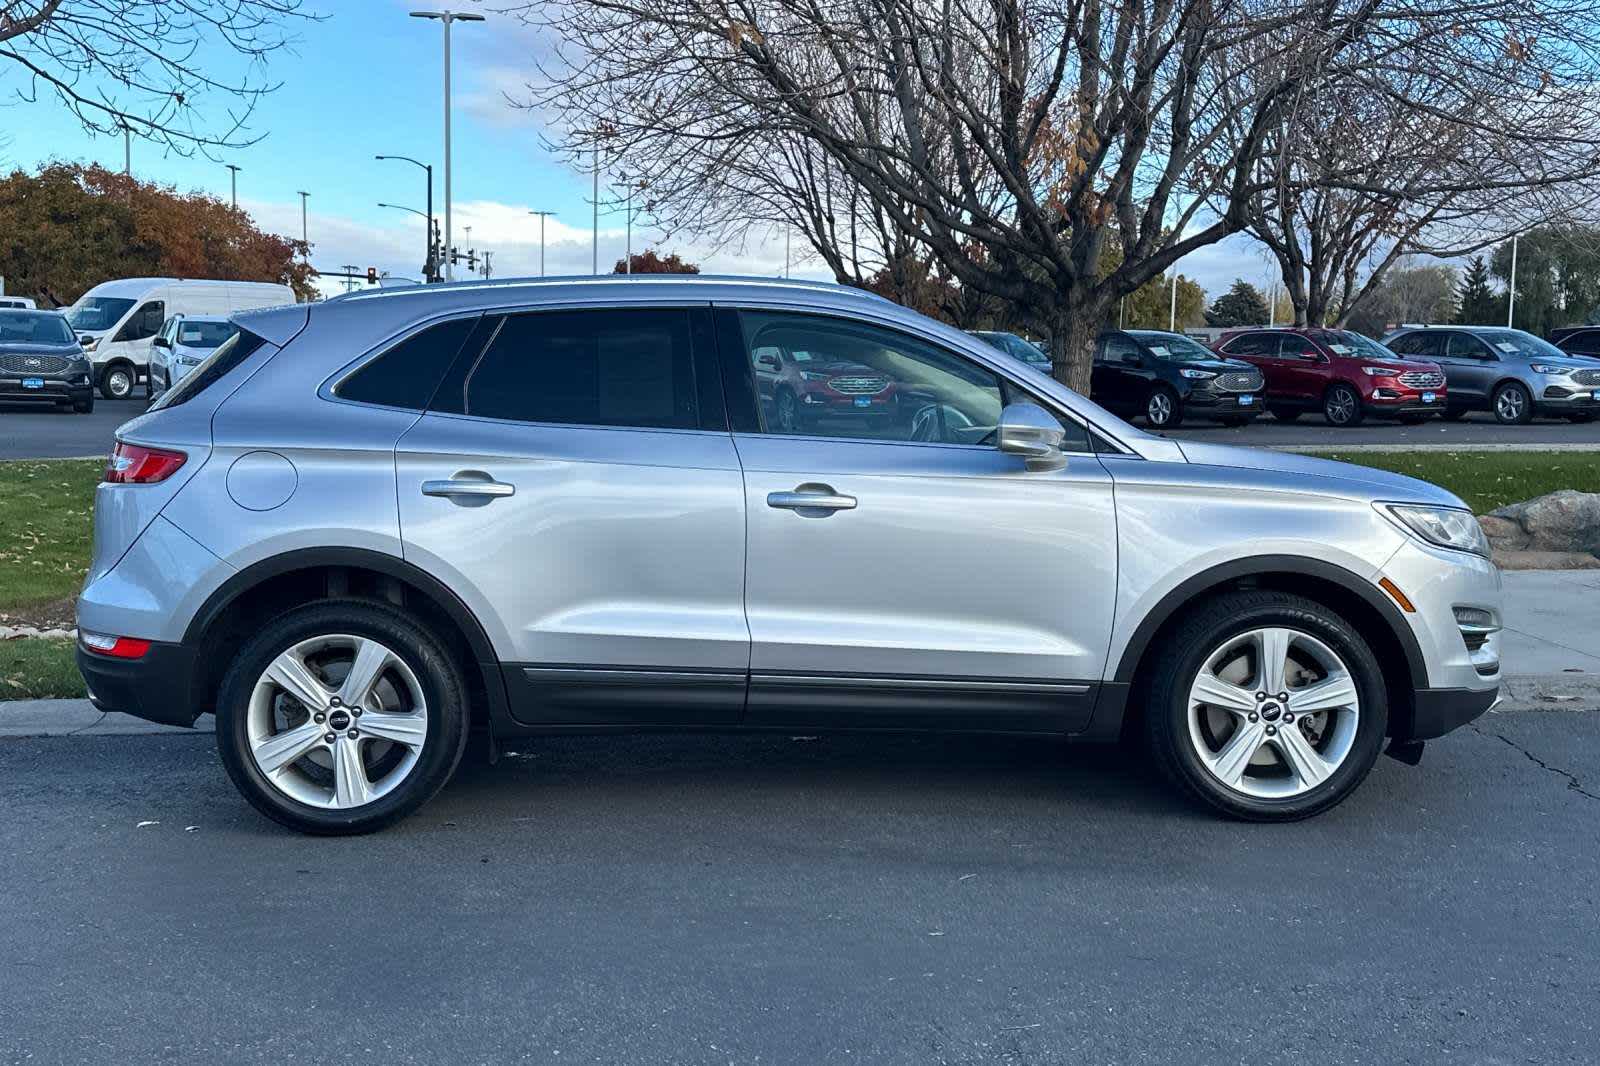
(367,80)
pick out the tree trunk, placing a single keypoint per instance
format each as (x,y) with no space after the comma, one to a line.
(1073,330)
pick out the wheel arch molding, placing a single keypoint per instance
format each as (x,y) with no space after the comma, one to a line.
(330,561)
(1302,575)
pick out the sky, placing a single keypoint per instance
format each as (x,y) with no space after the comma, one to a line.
(367,80)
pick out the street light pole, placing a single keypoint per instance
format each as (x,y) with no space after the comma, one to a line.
(430,264)
(234,175)
(447,17)
(1511,290)
(542,216)
(305,239)
(596,265)
(127,151)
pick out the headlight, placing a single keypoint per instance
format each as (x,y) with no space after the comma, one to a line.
(1445,526)
(1554,369)
(1379,371)
(1197,375)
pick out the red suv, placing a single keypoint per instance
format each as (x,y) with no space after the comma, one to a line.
(1345,374)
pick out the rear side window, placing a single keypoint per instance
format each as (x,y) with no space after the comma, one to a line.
(407,374)
(632,368)
(224,358)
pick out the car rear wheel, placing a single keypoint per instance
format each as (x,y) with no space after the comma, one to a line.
(1513,406)
(1453,414)
(1341,406)
(341,717)
(1163,409)
(1285,414)
(1235,423)
(1581,418)
(1266,706)
(84,406)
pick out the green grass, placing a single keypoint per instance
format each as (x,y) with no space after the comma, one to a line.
(34,668)
(46,516)
(1487,480)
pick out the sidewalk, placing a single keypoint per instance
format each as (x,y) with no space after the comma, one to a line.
(1551,651)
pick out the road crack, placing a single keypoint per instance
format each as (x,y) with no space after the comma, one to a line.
(1573,784)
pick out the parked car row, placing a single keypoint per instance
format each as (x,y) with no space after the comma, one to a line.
(1415,373)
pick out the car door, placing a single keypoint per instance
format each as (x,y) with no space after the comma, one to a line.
(1120,381)
(575,483)
(1470,369)
(1303,368)
(914,574)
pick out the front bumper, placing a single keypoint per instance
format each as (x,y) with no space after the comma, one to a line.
(1561,396)
(1230,404)
(50,390)
(1389,401)
(1437,711)
(158,686)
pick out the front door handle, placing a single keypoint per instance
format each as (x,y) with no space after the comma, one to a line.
(469,488)
(811,500)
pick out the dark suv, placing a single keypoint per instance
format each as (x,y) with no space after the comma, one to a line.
(40,359)
(1577,340)
(1346,375)
(1512,374)
(1167,377)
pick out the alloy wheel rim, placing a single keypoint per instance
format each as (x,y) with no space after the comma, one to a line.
(1510,404)
(1340,406)
(120,386)
(788,417)
(337,721)
(1273,713)
(1159,409)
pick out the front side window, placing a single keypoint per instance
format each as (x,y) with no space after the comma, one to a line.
(1464,346)
(626,368)
(1295,346)
(1119,349)
(145,323)
(98,313)
(1260,344)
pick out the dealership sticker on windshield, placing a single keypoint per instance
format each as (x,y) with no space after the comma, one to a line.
(1506,346)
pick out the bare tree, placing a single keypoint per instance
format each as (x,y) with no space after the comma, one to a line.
(1451,139)
(148,67)
(1011,140)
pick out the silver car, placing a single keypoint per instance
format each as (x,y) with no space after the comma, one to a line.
(364,530)
(1507,372)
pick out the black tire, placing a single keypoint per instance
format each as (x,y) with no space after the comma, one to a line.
(1163,409)
(1341,406)
(1285,414)
(118,381)
(1580,418)
(1512,404)
(435,669)
(1453,414)
(1413,420)
(84,406)
(1235,423)
(1185,652)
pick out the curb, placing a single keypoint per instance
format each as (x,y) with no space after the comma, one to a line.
(1400,446)
(1520,693)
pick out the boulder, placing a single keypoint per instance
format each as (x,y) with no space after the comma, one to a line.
(1564,521)
(1503,533)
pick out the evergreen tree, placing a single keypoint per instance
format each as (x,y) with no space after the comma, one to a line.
(1242,305)
(1478,302)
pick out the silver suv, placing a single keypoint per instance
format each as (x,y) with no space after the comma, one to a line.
(364,529)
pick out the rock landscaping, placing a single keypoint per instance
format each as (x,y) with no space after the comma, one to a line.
(1557,531)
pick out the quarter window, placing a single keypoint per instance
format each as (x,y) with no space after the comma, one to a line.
(407,374)
(629,368)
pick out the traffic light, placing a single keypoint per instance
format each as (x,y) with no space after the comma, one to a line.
(372,275)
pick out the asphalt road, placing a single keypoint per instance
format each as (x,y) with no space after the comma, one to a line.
(782,900)
(36,433)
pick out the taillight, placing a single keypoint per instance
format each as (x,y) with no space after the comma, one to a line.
(134,464)
(116,647)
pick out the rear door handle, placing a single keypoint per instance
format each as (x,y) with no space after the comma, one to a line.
(469,488)
(819,500)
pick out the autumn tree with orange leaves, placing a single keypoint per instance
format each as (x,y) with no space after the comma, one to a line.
(68,227)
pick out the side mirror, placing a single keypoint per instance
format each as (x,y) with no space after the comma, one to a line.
(1028,430)
(159,341)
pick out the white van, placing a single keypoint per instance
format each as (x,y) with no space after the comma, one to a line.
(116,320)
(17,303)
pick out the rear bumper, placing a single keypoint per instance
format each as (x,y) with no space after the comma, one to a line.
(1437,711)
(158,686)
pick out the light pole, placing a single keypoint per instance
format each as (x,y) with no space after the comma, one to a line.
(430,265)
(596,265)
(305,239)
(542,216)
(233,173)
(447,17)
(1511,289)
(427,221)
(127,151)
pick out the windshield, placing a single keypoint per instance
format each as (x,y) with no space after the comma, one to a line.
(1516,342)
(97,313)
(1344,342)
(193,334)
(1174,347)
(34,327)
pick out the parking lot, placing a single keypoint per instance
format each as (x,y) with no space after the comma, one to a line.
(798,900)
(32,433)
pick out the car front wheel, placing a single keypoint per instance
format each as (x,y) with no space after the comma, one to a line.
(1513,406)
(1341,406)
(118,381)
(1163,409)
(1266,706)
(341,717)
